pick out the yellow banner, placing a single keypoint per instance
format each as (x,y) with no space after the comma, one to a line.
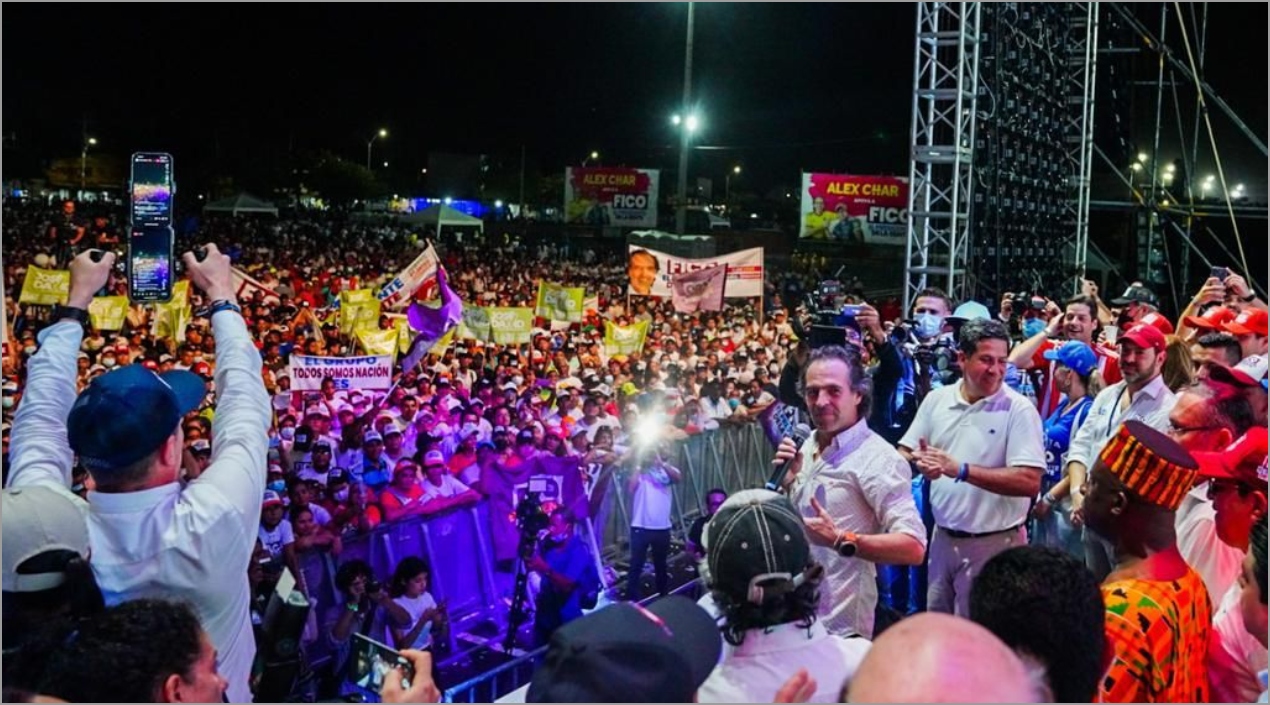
(171,318)
(359,310)
(45,286)
(108,312)
(378,342)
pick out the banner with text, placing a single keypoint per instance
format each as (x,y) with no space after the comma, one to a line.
(378,342)
(371,372)
(359,310)
(872,209)
(475,325)
(45,286)
(611,196)
(510,325)
(108,312)
(421,273)
(559,303)
(650,271)
(624,340)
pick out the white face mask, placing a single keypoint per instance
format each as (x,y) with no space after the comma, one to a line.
(608,379)
(108,362)
(518,380)
(29,350)
(341,495)
(287,432)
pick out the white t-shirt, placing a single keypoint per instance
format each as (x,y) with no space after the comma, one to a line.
(650,509)
(276,538)
(1003,430)
(415,606)
(450,487)
(1234,656)
(1195,523)
(755,670)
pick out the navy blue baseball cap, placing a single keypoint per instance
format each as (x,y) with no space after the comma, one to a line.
(126,414)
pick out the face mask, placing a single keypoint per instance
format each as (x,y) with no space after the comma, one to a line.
(1032,326)
(8,402)
(608,379)
(278,485)
(734,403)
(108,362)
(29,350)
(929,325)
(518,380)
(341,495)
(287,432)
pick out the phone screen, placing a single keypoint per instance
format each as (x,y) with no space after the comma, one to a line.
(150,266)
(372,661)
(152,189)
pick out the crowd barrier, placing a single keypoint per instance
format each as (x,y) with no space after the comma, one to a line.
(458,546)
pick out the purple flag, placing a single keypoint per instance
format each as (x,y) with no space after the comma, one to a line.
(701,290)
(432,323)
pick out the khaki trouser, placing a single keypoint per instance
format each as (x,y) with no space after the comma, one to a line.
(954,564)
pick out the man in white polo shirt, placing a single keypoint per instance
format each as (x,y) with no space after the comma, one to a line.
(982,447)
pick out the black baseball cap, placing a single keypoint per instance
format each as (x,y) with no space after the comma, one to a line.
(756,547)
(628,653)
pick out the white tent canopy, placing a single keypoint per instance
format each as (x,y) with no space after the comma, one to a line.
(443,216)
(242,203)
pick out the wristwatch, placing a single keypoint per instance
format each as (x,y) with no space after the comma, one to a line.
(71,312)
(1252,296)
(846,544)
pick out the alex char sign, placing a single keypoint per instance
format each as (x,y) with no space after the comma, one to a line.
(371,372)
(607,196)
(872,209)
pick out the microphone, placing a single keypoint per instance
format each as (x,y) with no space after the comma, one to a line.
(801,433)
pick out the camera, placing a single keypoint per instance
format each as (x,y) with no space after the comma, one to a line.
(531,520)
(373,585)
(832,321)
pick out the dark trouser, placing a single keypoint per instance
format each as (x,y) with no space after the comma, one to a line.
(903,587)
(641,541)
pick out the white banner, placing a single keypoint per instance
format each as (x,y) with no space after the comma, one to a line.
(371,372)
(421,272)
(650,271)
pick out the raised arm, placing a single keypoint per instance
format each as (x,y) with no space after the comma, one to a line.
(40,452)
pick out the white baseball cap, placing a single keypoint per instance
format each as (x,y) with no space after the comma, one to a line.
(36,520)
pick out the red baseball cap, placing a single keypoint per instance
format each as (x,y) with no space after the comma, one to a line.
(1252,320)
(1145,335)
(1233,376)
(1243,461)
(1212,319)
(1156,320)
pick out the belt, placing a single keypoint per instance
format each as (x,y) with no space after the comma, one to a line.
(971,535)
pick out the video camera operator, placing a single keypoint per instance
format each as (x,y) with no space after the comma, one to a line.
(567,573)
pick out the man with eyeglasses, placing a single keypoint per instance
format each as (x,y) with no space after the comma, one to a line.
(1208,417)
(1141,395)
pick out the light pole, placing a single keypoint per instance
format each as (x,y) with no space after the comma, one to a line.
(83,163)
(684,134)
(727,183)
(382,133)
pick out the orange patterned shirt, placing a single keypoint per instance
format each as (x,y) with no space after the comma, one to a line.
(1159,630)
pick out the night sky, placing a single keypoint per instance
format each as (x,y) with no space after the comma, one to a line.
(782,88)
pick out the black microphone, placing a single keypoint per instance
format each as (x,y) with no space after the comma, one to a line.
(801,433)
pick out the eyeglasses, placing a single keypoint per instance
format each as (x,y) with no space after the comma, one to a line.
(1216,487)
(1176,430)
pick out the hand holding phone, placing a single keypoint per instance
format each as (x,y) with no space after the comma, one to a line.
(373,662)
(1220,273)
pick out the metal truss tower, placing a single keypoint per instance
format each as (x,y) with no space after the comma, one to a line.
(1080,77)
(945,94)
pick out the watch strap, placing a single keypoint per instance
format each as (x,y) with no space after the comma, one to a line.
(78,314)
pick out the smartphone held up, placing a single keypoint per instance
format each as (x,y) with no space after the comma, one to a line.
(151,240)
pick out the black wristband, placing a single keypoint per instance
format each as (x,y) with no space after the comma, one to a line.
(223,305)
(76,314)
(1252,296)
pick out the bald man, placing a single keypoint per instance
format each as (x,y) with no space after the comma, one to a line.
(946,659)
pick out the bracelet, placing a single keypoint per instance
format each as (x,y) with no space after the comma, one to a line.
(1252,296)
(1049,498)
(223,305)
(353,607)
(964,474)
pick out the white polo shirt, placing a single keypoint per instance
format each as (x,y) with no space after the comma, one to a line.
(1002,430)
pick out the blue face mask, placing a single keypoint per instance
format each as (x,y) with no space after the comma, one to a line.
(928,325)
(1032,326)
(277,486)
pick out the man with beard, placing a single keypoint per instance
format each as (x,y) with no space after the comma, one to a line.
(1141,395)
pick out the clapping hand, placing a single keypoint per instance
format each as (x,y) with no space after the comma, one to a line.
(934,463)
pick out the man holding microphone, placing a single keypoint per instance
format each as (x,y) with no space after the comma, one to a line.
(852,489)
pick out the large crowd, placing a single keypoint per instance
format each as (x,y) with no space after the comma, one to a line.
(1081,482)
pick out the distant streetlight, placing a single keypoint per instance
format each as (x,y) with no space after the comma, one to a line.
(595,155)
(382,133)
(385,165)
(83,162)
(727,183)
